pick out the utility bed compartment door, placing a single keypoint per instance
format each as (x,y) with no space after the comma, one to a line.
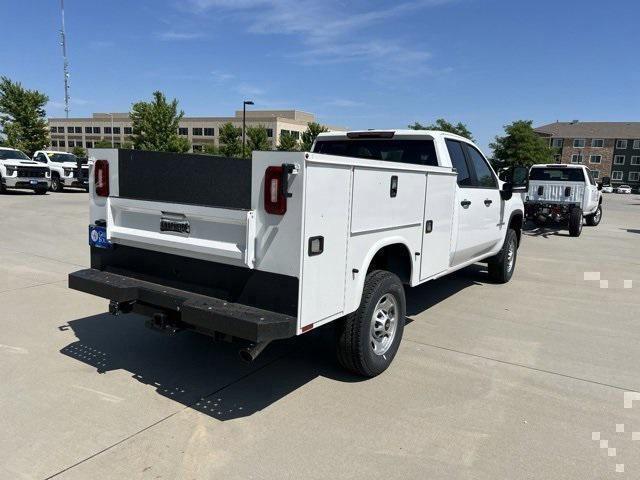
(216,234)
(326,224)
(384,199)
(438,224)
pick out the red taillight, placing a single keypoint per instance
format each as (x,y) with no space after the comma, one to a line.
(101,178)
(275,201)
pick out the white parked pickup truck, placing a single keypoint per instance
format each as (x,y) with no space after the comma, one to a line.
(563,193)
(67,170)
(18,171)
(282,243)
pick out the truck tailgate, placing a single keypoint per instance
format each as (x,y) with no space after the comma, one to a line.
(200,232)
(555,192)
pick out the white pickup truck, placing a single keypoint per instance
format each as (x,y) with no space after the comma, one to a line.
(67,170)
(563,193)
(282,243)
(18,171)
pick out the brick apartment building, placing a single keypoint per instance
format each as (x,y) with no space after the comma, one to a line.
(609,149)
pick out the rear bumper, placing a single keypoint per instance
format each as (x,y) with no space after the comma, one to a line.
(203,313)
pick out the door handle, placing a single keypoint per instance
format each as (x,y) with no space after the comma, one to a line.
(465,203)
(393,188)
(488,202)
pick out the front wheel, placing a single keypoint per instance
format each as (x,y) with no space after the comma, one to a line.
(594,219)
(575,222)
(368,339)
(502,265)
(56,185)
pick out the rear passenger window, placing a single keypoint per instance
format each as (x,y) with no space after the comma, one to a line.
(459,162)
(484,175)
(419,152)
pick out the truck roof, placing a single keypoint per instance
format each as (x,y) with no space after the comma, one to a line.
(557,165)
(390,133)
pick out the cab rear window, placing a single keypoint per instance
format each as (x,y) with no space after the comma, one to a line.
(419,152)
(557,174)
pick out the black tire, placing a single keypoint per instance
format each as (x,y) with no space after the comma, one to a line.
(356,344)
(575,222)
(56,184)
(594,219)
(40,191)
(503,264)
(3,189)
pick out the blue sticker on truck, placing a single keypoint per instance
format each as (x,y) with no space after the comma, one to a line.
(98,237)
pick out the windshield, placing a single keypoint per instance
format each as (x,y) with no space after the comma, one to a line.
(557,174)
(12,155)
(421,152)
(63,157)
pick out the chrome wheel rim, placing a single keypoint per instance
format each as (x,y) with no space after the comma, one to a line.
(384,324)
(596,217)
(511,255)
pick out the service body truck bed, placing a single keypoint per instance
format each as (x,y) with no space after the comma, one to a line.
(276,245)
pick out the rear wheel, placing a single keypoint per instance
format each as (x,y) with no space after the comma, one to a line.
(594,219)
(502,265)
(56,184)
(368,339)
(575,222)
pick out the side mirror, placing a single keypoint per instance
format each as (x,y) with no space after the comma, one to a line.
(516,180)
(506,192)
(520,178)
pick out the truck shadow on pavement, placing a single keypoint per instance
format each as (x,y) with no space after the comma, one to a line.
(545,231)
(208,377)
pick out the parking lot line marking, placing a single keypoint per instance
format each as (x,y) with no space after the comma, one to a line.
(528,367)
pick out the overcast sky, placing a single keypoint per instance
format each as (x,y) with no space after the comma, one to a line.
(359,64)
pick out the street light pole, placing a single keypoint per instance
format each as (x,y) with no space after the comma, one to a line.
(112,144)
(244,115)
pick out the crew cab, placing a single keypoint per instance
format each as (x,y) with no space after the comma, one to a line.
(67,170)
(18,171)
(563,193)
(277,245)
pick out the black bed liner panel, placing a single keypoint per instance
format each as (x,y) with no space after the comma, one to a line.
(207,180)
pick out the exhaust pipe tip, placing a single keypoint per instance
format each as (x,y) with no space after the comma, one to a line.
(245,355)
(249,354)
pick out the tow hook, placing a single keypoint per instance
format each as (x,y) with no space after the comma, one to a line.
(116,308)
(249,354)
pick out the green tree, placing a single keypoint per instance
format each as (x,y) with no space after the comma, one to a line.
(257,139)
(155,125)
(22,116)
(78,151)
(288,143)
(521,146)
(230,140)
(310,134)
(102,144)
(210,149)
(445,126)
(127,145)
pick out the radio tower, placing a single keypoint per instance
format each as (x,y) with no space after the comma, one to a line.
(66,62)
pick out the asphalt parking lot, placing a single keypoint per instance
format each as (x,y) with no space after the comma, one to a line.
(491,381)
